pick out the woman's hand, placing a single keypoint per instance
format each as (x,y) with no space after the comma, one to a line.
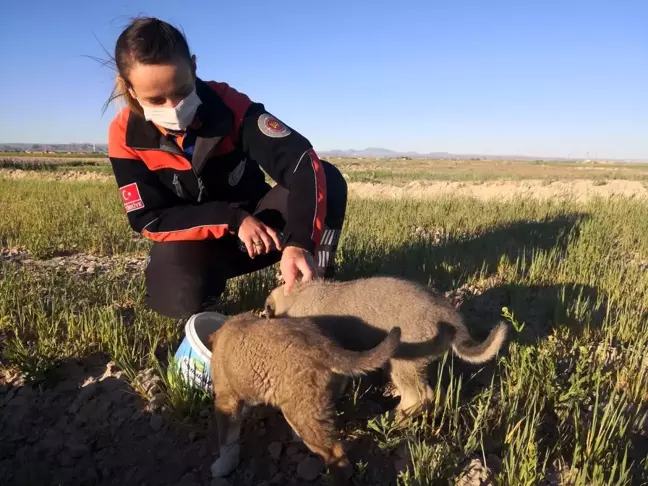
(296,260)
(257,237)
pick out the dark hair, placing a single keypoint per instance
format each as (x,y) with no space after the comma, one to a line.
(146,40)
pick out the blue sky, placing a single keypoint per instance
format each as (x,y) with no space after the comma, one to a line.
(535,77)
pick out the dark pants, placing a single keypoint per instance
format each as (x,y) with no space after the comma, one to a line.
(184,277)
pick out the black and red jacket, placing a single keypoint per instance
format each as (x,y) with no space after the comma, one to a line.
(169,196)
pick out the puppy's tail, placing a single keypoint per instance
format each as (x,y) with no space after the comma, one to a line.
(474,352)
(347,362)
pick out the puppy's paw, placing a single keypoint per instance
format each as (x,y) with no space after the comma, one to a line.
(227,462)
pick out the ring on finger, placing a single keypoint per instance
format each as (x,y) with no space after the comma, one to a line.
(258,243)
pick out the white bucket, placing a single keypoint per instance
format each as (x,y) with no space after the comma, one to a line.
(193,355)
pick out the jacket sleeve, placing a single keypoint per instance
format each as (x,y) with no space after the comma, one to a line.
(155,211)
(289,158)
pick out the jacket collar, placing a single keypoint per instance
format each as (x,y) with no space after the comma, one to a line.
(216,121)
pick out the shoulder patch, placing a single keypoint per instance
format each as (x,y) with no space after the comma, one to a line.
(272,127)
(131,197)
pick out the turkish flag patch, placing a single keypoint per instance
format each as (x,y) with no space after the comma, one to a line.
(131,197)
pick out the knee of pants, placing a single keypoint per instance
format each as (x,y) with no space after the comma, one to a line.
(173,309)
(180,303)
(179,288)
(336,195)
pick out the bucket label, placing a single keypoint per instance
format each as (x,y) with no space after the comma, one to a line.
(194,370)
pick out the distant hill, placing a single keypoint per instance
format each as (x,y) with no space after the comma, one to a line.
(381,153)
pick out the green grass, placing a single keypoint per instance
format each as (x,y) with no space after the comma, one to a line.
(565,273)
(47,216)
(57,316)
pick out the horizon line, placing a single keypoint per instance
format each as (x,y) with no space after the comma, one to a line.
(396,153)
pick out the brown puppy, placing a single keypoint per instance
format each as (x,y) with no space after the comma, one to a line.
(289,366)
(425,318)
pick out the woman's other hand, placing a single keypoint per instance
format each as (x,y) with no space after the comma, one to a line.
(257,237)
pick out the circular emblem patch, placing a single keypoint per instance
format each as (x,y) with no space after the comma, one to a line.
(272,127)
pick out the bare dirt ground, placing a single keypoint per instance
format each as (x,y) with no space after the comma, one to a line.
(578,190)
(92,428)
(77,263)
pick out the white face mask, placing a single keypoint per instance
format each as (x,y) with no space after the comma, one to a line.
(177,118)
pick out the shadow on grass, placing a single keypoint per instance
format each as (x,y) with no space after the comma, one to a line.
(448,264)
(538,307)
